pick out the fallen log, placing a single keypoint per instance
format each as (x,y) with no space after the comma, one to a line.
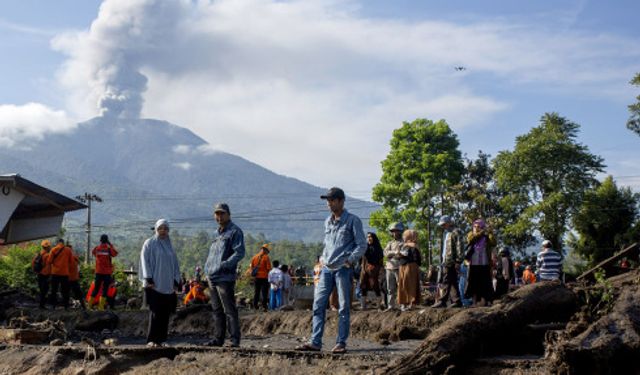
(475,331)
(609,346)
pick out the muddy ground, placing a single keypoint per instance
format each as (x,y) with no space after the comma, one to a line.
(380,342)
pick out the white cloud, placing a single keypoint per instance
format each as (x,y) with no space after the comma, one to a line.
(182,149)
(311,88)
(21,123)
(184,165)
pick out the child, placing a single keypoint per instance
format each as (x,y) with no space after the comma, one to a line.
(276,280)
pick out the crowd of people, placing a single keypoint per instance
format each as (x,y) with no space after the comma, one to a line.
(471,272)
(58,274)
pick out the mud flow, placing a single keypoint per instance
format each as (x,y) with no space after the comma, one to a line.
(537,329)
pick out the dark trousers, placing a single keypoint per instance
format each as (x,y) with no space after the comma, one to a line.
(450,285)
(261,290)
(74,287)
(61,283)
(43,287)
(101,280)
(161,306)
(225,312)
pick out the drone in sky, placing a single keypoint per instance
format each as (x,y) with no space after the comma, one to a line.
(460,68)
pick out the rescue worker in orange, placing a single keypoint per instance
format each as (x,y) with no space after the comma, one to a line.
(59,259)
(528,277)
(259,270)
(196,294)
(40,266)
(104,269)
(111,295)
(74,277)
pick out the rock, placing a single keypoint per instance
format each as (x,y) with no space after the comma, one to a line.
(99,321)
(110,342)
(134,304)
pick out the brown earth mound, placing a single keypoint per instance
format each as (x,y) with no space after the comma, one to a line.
(579,329)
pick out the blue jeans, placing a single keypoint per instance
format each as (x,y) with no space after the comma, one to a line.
(275,298)
(341,279)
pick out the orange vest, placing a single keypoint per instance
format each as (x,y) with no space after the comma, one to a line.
(528,277)
(195,293)
(59,259)
(264,267)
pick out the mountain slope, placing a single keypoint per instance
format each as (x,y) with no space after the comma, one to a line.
(145,169)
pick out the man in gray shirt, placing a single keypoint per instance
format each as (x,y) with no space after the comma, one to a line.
(392,252)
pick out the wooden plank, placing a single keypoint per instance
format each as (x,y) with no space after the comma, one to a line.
(624,253)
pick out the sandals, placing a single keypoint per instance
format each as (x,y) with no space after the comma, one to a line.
(308,348)
(339,349)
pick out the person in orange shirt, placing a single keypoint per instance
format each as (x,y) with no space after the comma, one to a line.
(59,259)
(40,266)
(74,277)
(528,277)
(196,294)
(259,270)
(104,269)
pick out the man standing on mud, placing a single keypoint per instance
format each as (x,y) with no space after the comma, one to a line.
(226,251)
(392,268)
(451,258)
(344,245)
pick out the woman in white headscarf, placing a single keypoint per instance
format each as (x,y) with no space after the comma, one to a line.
(160,275)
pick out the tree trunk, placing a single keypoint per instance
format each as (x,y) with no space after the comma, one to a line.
(475,331)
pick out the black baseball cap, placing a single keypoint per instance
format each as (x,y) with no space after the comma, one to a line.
(333,193)
(221,207)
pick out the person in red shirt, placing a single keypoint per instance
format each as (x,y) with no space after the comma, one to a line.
(104,269)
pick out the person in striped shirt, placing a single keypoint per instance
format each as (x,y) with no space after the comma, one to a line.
(549,263)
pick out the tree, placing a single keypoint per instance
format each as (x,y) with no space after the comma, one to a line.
(605,217)
(476,196)
(424,160)
(634,120)
(544,179)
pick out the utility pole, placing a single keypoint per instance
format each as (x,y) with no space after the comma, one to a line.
(88,198)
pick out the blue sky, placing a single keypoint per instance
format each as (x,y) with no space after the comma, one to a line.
(313,89)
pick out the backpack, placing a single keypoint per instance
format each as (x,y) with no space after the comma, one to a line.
(254,271)
(38,264)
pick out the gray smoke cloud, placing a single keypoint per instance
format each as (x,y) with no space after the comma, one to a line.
(105,63)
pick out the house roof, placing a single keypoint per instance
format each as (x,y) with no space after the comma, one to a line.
(39,201)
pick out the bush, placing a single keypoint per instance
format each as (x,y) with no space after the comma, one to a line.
(15,268)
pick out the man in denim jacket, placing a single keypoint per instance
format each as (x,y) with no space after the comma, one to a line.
(226,251)
(344,245)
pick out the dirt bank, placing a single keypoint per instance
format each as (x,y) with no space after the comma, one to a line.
(535,330)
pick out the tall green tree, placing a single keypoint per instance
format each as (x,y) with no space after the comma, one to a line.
(423,162)
(604,220)
(544,179)
(476,195)
(634,120)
